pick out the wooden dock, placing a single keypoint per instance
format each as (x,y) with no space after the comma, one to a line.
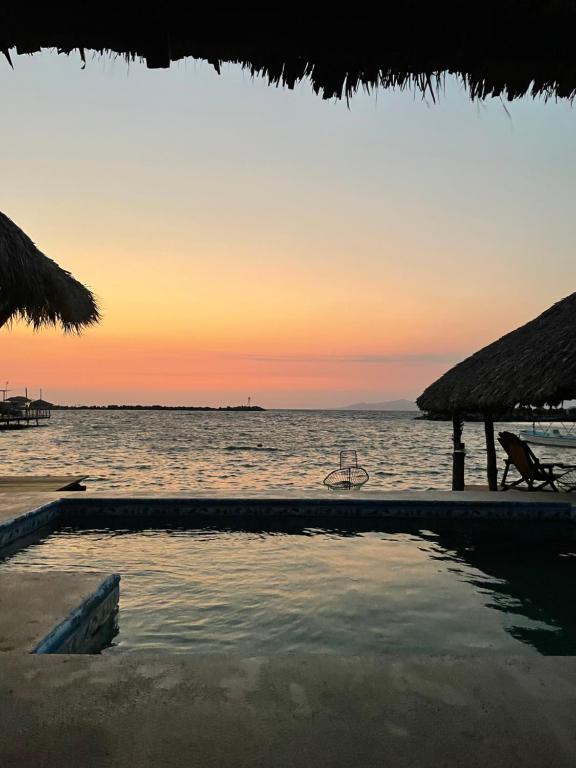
(41,483)
(21,418)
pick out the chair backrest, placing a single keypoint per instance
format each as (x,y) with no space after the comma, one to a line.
(348,459)
(520,455)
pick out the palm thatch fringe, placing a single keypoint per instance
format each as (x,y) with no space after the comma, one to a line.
(534,365)
(505,48)
(35,289)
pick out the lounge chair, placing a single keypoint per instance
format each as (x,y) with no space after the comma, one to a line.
(350,476)
(532,471)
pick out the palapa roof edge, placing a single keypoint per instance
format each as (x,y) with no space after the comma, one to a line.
(503,48)
(35,289)
(534,365)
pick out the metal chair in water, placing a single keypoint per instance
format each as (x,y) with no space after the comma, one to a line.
(532,471)
(350,476)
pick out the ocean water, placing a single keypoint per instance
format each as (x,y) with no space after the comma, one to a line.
(187,450)
(372,588)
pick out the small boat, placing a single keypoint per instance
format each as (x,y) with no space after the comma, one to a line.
(561,437)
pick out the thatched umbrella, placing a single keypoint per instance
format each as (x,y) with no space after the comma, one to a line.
(35,289)
(41,405)
(18,401)
(505,48)
(534,365)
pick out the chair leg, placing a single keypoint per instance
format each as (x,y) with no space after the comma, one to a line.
(550,482)
(515,483)
(539,487)
(504,476)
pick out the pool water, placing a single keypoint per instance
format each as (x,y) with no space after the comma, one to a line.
(398,588)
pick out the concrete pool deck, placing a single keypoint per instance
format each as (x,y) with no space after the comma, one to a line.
(287,712)
(59,711)
(13,505)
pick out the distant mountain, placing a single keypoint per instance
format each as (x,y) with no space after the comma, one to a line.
(387,405)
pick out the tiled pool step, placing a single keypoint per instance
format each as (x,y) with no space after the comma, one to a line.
(28,522)
(56,612)
(78,632)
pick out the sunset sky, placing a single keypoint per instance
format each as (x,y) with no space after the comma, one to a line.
(245,240)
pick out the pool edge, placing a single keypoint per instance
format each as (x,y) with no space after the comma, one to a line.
(75,632)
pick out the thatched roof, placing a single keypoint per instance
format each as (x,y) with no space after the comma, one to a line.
(35,289)
(18,400)
(41,405)
(497,48)
(533,365)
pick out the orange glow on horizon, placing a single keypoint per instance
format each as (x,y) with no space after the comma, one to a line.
(244,240)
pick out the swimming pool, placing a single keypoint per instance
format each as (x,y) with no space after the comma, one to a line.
(388,587)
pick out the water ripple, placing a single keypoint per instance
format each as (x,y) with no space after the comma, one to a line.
(181,451)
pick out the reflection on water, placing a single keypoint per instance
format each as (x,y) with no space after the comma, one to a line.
(292,588)
(184,450)
(529,579)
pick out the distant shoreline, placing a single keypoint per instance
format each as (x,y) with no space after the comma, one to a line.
(157,408)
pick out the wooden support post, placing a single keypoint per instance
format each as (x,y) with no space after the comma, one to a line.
(491,468)
(458,454)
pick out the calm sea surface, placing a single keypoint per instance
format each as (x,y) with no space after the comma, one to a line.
(184,450)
